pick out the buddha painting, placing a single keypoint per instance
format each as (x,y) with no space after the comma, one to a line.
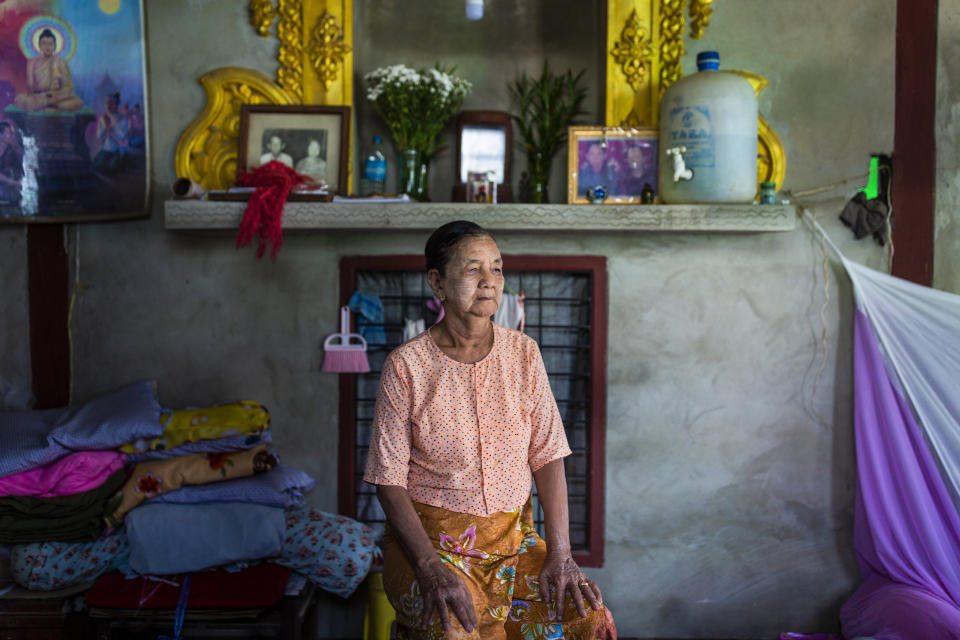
(49,84)
(61,84)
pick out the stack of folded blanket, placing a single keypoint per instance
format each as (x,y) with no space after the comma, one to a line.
(58,468)
(119,483)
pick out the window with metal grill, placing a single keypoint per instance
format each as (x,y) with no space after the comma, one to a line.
(565,312)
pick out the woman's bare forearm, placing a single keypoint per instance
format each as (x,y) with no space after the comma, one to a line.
(552,492)
(406,526)
(443,592)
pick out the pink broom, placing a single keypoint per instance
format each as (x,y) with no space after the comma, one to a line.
(341,353)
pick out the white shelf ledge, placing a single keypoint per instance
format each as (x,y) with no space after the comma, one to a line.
(334,216)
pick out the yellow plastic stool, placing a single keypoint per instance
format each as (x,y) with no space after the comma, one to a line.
(380,614)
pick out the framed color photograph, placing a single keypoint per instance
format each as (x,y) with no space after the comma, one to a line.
(313,140)
(481,187)
(73,111)
(621,160)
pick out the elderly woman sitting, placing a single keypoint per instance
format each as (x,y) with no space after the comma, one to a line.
(464,415)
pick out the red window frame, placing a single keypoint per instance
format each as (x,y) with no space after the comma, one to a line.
(596,266)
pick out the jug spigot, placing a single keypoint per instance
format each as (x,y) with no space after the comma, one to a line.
(680,170)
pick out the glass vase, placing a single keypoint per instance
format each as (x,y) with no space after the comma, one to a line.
(414,174)
(538,165)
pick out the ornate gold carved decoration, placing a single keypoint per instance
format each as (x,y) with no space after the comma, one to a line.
(315,61)
(633,63)
(633,51)
(262,14)
(700,12)
(289,33)
(671,42)
(327,48)
(207,150)
(290,53)
(771,159)
(645,45)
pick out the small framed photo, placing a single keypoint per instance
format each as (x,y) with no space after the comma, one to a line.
(622,160)
(481,186)
(311,139)
(484,144)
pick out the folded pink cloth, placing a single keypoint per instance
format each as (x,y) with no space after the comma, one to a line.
(77,472)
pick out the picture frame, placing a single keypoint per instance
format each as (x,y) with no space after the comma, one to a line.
(621,159)
(481,187)
(313,139)
(484,145)
(74,143)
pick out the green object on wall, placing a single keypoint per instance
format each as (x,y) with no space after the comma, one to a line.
(873,180)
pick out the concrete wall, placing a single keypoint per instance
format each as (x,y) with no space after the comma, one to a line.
(14,321)
(946,264)
(729,435)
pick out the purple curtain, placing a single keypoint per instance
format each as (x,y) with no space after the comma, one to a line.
(907,529)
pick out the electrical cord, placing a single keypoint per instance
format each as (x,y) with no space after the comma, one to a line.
(809,214)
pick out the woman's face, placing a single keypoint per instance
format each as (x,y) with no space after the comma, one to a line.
(595,157)
(313,149)
(474,278)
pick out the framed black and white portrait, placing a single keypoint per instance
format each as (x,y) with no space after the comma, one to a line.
(311,139)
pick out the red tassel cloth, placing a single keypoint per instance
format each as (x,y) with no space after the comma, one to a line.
(273,182)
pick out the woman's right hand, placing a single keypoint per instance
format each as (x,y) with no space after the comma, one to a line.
(444,591)
(440,586)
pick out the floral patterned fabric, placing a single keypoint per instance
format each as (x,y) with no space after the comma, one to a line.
(499,559)
(193,425)
(333,551)
(45,566)
(150,479)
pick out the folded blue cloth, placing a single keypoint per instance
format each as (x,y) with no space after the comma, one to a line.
(333,551)
(238,442)
(177,538)
(370,309)
(30,439)
(281,486)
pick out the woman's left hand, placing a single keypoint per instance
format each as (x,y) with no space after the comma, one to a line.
(562,573)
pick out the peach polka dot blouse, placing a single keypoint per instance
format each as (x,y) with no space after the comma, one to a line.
(465,437)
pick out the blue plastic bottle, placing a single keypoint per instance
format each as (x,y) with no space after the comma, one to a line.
(375,169)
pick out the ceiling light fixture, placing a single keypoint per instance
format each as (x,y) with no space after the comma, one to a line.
(474,9)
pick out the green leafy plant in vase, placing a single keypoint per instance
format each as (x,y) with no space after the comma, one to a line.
(548,105)
(416,105)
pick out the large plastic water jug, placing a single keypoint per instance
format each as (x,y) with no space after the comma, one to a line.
(708,137)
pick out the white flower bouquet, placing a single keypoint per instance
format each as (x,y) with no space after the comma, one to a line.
(416,104)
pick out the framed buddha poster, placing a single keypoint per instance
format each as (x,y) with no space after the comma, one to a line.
(73,111)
